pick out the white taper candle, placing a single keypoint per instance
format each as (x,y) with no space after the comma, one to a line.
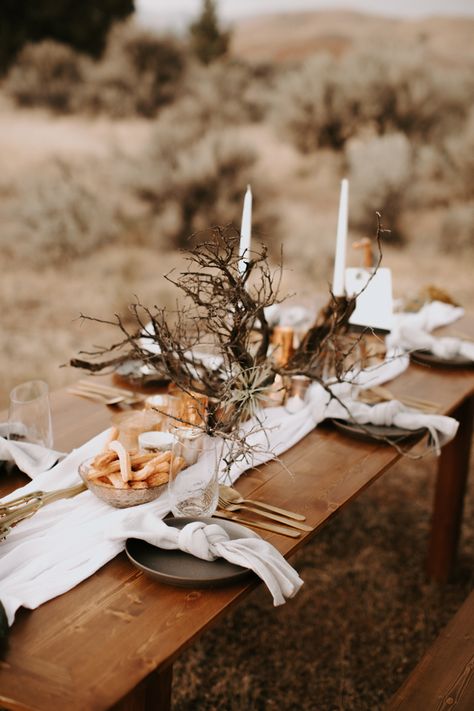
(338,282)
(245,230)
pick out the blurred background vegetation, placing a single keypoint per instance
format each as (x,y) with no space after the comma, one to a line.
(119,142)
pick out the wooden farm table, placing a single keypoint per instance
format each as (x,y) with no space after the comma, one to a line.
(111,641)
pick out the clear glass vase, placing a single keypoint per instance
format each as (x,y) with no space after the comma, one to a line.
(194,476)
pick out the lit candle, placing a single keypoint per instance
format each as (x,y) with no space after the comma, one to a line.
(338,282)
(245,230)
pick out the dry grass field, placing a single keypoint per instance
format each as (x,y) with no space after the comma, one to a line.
(94,205)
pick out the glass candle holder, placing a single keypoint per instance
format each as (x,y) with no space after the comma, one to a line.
(29,416)
(193,484)
(131,425)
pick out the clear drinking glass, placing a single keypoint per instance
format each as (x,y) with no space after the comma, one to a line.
(193,484)
(29,417)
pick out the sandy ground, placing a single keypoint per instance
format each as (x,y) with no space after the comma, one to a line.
(297,35)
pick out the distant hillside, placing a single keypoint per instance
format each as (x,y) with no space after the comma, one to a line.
(294,36)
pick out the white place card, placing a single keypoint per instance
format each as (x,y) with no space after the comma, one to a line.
(374,306)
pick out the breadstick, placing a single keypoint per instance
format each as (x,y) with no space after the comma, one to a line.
(94,473)
(158,479)
(103,459)
(124,459)
(118,482)
(158,463)
(113,435)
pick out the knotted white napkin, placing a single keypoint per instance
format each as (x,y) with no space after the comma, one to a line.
(210,542)
(411,331)
(32,459)
(345,405)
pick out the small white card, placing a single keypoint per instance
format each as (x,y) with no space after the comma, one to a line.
(374,306)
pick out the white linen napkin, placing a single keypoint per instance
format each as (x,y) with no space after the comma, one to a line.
(32,459)
(346,406)
(210,542)
(411,331)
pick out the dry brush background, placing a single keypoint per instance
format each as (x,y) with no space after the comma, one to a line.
(109,166)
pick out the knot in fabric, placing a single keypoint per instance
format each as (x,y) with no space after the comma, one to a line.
(446,347)
(199,539)
(384,413)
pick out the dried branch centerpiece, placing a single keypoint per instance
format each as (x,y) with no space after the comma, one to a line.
(216,346)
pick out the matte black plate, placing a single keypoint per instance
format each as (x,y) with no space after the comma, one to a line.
(427,358)
(376,433)
(184,570)
(135,373)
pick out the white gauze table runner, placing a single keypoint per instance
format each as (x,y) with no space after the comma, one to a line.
(69,540)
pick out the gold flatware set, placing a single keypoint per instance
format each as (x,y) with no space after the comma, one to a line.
(277,520)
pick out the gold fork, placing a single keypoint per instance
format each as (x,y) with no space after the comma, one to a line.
(227,506)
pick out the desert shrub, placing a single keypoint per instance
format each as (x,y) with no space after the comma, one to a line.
(407,91)
(192,179)
(55,216)
(202,186)
(307,105)
(325,101)
(46,74)
(139,73)
(380,172)
(458,151)
(223,94)
(444,172)
(457,229)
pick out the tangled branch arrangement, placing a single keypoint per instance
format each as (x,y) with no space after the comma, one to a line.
(216,343)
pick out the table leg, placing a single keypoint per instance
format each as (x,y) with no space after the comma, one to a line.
(453,469)
(152,694)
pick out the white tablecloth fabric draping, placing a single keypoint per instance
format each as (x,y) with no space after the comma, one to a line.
(411,331)
(69,540)
(30,458)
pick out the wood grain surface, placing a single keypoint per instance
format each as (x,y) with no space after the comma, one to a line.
(88,649)
(444,679)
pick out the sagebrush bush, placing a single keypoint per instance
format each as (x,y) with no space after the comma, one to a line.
(326,101)
(457,229)
(226,92)
(307,105)
(139,73)
(458,151)
(444,171)
(193,175)
(46,74)
(55,216)
(380,172)
(191,185)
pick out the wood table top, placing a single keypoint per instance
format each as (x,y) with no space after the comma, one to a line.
(89,647)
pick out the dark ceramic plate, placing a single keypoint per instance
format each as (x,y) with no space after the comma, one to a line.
(184,570)
(376,433)
(136,373)
(427,358)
